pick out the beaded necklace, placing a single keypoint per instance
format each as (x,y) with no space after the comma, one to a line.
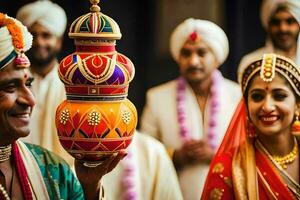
(214,107)
(3,193)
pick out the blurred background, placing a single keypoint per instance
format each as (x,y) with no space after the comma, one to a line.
(146,26)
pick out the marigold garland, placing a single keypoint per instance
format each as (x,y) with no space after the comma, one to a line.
(2,16)
(14,30)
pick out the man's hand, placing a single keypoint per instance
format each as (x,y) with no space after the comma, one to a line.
(192,152)
(201,152)
(90,177)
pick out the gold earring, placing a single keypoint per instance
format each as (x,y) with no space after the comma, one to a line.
(250,129)
(296,124)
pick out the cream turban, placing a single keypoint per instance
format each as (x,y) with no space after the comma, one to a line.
(46,13)
(212,34)
(268,8)
(8,48)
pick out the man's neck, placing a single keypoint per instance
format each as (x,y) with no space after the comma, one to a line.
(202,91)
(202,88)
(44,70)
(290,53)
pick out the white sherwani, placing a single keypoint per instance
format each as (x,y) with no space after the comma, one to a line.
(49,92)
(156,177)
(159,120)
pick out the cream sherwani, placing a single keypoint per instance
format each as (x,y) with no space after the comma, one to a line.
(156,177)
(49,92)
(159,120)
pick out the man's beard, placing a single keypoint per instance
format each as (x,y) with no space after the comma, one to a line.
(284,46)
(41,62)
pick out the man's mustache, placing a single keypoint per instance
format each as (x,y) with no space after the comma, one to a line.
(280,34)
(20,109)
(193,69)
(37,48)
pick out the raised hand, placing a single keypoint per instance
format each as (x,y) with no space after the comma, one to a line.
(90,177)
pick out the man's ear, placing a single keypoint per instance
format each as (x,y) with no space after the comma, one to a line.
(217,63)
(59,43)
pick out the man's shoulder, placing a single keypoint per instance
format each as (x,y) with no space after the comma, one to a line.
(255,52)
(231,84)
(146,143)
(145,139)
(60,180)
(231,94)
(44,156)
(163,88)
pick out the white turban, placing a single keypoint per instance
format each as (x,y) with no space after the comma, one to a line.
(46,13)
(212,34)
(268,8)
(7,49)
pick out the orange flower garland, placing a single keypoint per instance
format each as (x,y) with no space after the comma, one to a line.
(14,30)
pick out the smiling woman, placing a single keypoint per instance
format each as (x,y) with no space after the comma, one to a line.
(271,106)
(259,157)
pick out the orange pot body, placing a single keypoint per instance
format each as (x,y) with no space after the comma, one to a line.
(90,131)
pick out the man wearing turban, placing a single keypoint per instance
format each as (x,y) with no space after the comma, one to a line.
(281,20)
(28,171)
(190,115)
(47,23)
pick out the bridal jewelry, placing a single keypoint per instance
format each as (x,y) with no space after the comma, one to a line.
(283,161)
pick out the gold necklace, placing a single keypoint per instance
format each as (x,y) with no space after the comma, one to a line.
(5,152)
(283,161)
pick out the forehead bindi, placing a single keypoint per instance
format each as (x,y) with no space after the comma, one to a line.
(15,73)
(26,74)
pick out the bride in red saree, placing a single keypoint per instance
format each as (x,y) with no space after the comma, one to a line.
(259,157)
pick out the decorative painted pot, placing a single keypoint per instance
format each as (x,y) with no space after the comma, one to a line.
(89,131)
(96,120)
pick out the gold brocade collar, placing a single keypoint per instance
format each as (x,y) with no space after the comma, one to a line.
(5,152)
